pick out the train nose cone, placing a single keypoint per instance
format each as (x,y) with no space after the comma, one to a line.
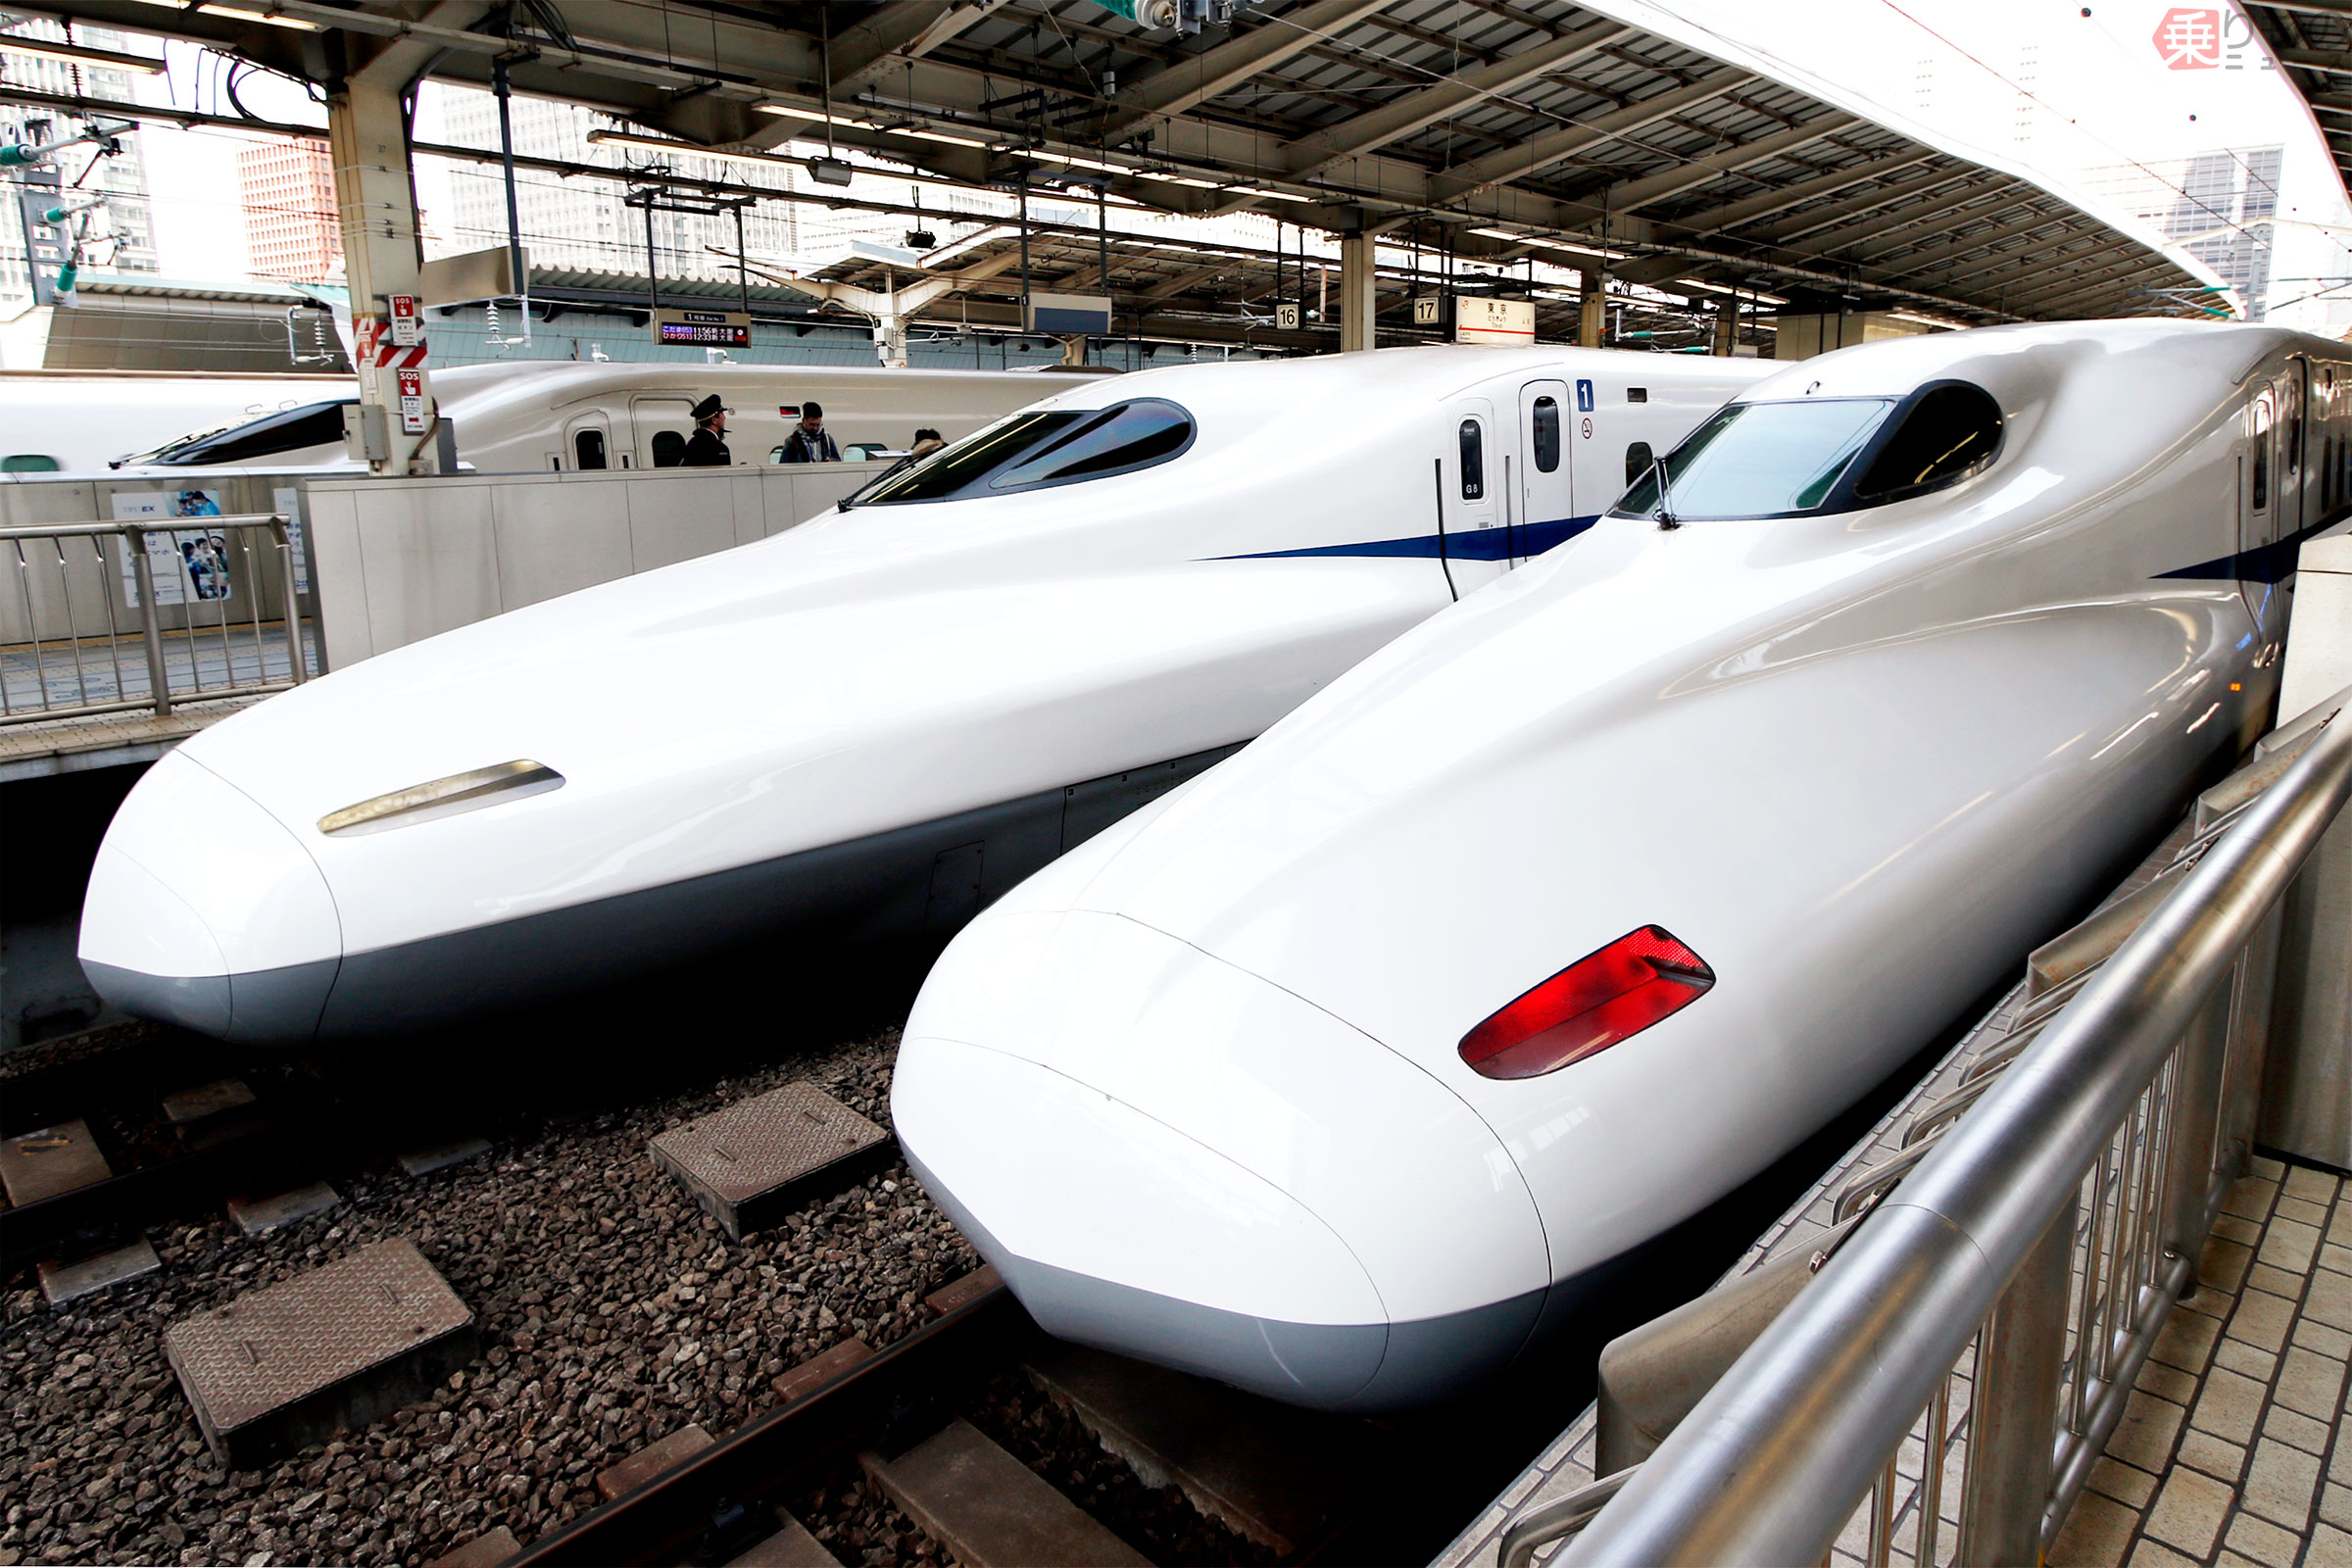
(205,910)
(1169,1157)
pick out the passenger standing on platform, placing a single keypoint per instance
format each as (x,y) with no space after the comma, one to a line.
(926,442)
(708,448)
(809,442)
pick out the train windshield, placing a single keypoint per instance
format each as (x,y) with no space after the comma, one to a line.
(313,425)
(1760,460)
(1038,448)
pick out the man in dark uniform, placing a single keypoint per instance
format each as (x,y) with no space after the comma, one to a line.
(809,442)
(708,448)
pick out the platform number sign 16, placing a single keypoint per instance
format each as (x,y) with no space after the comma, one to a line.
(1286,317)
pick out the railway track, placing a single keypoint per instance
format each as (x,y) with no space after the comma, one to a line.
(1297,1487)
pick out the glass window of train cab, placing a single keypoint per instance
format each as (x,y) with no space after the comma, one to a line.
(1760,460)
(28,462)
(669,448)
(1948,434)
(1039,447)
(588,448)
(1474,460)
(1638,459)
(1548,435)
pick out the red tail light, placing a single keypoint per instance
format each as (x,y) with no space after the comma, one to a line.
(1589,1007)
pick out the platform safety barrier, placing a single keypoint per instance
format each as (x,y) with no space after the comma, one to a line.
(1933,1382)
(116,616)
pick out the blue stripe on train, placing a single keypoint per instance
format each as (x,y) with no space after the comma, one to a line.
(1478,544)
(2272,563)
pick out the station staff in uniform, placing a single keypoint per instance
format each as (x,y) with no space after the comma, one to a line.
(809,442)
(708,448)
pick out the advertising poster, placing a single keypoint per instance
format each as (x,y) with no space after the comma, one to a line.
(189,565)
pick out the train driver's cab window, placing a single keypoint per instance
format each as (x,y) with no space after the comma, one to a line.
(1474,460)
(1039,447)
(1949,432)
(1638,459)
(669,448)
(1548,435)
(28,462)
(588,448)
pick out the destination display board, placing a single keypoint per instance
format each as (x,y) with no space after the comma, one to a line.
(706,329)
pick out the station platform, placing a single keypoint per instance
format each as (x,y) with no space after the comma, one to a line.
(2230,1451)
(197,662)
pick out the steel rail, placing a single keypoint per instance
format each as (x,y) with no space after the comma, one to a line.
(668,1517)
(1771,1464)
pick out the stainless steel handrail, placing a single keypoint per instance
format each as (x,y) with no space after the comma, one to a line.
(1772,1463)
(40,640)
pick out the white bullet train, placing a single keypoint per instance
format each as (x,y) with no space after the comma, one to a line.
(527,415)
(867,726)
(1346,1072)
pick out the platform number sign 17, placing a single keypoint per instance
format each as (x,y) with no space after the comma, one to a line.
(412,401)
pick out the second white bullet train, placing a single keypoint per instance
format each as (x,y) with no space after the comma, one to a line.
(868,725)
(1343,1071)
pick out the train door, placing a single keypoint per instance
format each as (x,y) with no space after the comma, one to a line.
(588,442)
(2269,498)
(663,427)
(1540,509)
(1469,470)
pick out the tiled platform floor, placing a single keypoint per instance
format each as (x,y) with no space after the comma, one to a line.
(2231,1450)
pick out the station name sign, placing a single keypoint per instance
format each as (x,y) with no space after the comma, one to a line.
(1507,323)
(707,330)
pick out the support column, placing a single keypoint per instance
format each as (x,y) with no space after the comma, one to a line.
(1727,326)
(1593,309)
(376,199)
(1360,292)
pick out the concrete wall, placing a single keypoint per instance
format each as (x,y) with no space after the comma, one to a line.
(1800,337)
(394,561)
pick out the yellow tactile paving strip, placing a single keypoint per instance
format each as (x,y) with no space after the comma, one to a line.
(2227,1452)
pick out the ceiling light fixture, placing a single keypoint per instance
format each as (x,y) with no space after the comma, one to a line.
(72,54)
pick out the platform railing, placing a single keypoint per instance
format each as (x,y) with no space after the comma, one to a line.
(108,617)
(1949,1365)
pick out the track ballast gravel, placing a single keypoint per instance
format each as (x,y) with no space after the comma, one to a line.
(611,1312)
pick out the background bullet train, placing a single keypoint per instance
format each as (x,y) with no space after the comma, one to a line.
(1345,1072)
(868,725)
(524,415)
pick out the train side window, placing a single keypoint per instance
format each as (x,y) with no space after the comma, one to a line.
(1638,461)
(1950,432)
(588,448)
(30,462)
(2262,464)
(1474,460)
(669,448)
(1548,435)
(1637,394)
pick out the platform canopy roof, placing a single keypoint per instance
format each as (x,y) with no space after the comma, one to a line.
(2313,40)
(1185,289)
(1481,128)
